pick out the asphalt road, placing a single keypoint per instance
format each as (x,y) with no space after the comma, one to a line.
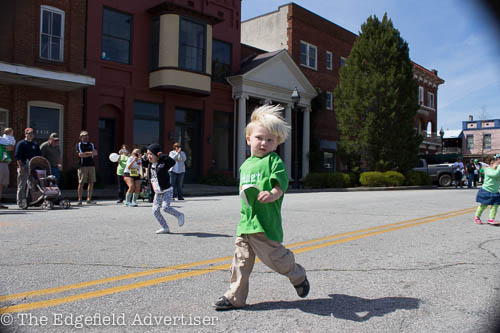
(388,261)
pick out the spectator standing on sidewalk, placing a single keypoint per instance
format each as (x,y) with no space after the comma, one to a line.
(178,170)
(471,168)
(86,167)
(52,152)
(26,149)
(458,172)
(7,145)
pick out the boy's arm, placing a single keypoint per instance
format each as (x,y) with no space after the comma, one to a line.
(270,196)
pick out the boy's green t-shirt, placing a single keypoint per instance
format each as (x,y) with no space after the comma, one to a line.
(265,172)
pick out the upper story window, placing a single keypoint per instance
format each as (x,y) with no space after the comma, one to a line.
(430,100)
(221,60)
(308,55)
(4,119)
(155,42)
(329,100)
(192,45)
(329,60)
(487,141)
(420,95)
(343,61)
(51,33)
(116,36)
(470,141)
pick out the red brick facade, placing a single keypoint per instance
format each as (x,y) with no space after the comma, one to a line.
(20,40)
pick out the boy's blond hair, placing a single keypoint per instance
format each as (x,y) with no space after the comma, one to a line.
(8,131)
(269,117)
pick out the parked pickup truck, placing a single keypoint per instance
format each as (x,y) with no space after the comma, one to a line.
(439,173)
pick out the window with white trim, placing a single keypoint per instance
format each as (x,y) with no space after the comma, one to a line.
(470,141)
(329,57)
(487,141)
(329,100)
(343,61)
(308,55)
(51,33)
(420,95)
(45,118)
(430,100)
(4,119)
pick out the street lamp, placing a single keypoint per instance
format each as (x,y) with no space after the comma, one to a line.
(441,134)
(295,100)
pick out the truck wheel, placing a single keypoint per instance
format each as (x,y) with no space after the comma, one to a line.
(445,180)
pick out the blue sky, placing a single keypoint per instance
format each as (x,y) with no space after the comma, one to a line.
(456,37)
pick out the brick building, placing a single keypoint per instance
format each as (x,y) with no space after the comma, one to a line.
(480,138)
(320,48)
(160,69)
(42,70)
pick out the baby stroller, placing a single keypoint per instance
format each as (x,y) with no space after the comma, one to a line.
(42,189)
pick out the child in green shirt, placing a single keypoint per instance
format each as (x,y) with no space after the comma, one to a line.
(488,193)
(263,181)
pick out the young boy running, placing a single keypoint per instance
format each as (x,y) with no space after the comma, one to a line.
(263,181)
(160,181)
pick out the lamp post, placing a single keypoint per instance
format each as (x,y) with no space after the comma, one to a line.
(295,100)
(441,134)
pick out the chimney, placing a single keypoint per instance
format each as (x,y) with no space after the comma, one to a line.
(471,118)
(435,72)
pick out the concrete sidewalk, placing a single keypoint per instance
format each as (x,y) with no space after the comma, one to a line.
(199,190)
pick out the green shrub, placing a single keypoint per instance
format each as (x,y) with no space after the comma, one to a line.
(353,179)
(414,178)
(315,180)
(335,180)
(372,179)
(394,178)
(327,180)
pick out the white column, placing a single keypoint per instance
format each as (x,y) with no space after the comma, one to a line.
(241,150)
(306,142)
(288,143)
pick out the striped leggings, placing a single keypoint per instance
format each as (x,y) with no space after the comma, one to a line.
(163,200)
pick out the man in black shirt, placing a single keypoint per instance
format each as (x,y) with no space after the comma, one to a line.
(86,167)
(26,149)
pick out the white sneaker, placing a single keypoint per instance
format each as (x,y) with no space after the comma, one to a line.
(180,220)
(163,231)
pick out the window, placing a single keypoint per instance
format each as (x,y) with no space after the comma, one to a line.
(329,161)
(4,120)
(192,46)
(430,100)
(308,55)
(155,42)
(44,118)
(222,153)
(420,95)
(329,101)
(146,123)
(51,33)
(343,62)
(116,36)
(470,141)
(221,60)
(329,60)
(487,141)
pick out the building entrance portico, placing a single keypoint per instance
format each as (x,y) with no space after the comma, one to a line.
(270,78)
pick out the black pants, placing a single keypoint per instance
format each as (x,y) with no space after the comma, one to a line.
(122,187)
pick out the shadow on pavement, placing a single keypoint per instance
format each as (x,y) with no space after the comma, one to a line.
(343,306)
(200,234)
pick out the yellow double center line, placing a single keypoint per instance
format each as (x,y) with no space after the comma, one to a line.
(313,245)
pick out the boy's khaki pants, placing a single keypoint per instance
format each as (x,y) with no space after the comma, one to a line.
(271,253)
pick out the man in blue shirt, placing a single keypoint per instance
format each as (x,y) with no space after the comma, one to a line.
(26,149)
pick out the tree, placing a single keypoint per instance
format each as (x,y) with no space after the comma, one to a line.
(376,101)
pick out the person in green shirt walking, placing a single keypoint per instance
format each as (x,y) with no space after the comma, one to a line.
(488,193)
(263,181)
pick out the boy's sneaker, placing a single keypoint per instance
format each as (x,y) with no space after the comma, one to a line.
(163,231)
(477,220)
(180,220)
(303,288)
(223,304)
(493,222)
(91,202)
